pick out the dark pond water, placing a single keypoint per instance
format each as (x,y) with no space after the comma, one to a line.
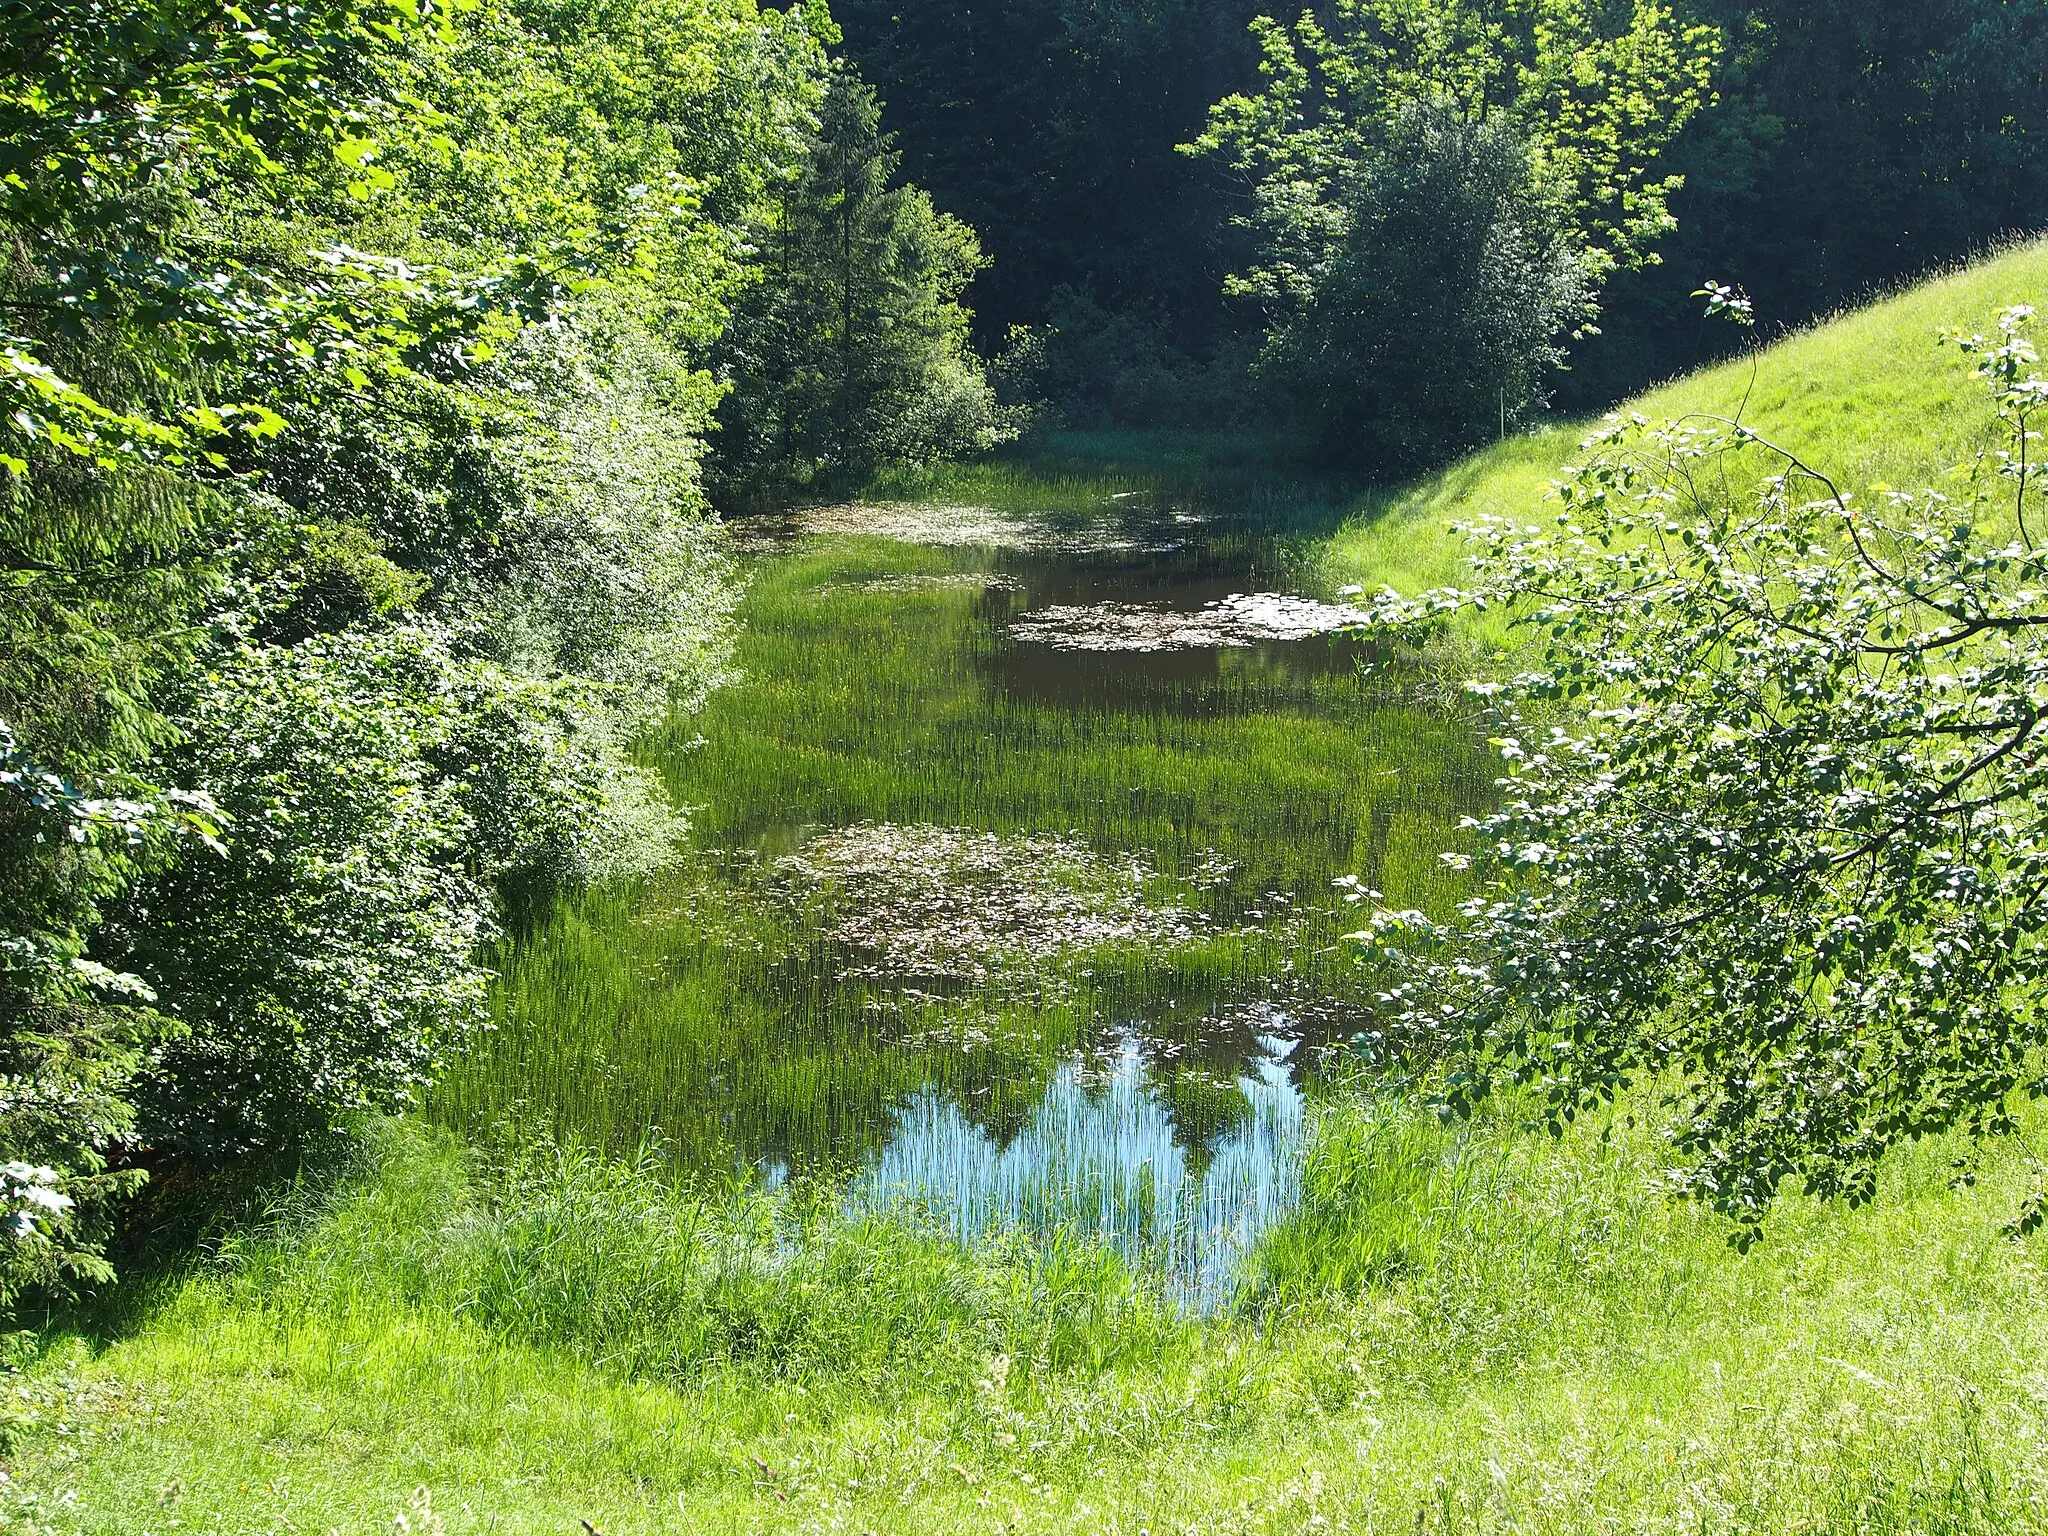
(1003,912)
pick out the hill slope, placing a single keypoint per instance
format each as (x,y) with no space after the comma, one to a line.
(1869,397)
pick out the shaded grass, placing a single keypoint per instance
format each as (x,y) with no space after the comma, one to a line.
(1259,480)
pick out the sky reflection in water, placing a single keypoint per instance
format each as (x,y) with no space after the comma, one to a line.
(1100,1160)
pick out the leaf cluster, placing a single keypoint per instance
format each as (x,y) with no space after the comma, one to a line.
(350,529)
(1775,816)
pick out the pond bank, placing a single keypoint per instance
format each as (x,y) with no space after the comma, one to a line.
(1452,1329)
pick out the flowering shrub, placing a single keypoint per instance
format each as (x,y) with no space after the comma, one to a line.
(1775,815)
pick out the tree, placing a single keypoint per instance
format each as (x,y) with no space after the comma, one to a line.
(1776,806)
(350,526)
(1438,319)
(1594,93)
(1855,143)
(851,351)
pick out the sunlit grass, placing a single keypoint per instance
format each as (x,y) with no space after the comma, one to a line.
(603,1316)
(1869,398)
(1465,1329)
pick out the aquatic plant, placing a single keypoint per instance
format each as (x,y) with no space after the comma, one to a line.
(1237,620)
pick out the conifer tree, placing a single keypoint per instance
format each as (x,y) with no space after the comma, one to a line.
(852,350)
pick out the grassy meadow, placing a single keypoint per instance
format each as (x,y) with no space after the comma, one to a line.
(567,1293)
(1870,398)
(1462,1330)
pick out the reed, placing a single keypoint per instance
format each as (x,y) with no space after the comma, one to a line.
(709,1009)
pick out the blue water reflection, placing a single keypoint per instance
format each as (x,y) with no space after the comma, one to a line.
(1098,1157)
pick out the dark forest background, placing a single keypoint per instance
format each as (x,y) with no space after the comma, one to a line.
(1852,146)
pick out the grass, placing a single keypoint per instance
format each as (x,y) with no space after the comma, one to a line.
(1545,1345)
(896,707)
(1868,397)
(705,1005)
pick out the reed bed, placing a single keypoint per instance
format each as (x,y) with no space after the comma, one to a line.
(996,936)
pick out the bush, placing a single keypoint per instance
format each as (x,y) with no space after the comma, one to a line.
(1444,305)
(380,792)
(322,960)
(1790,841)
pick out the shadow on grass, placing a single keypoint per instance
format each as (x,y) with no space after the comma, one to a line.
(175,1229)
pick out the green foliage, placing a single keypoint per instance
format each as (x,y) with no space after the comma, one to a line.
(620,1264)
(1522,136)
(390,632)
(851,351)
(322,957)
(108,109)
(65,1103)
(1788,842)
(1437,321)
(1372,1184)
(75,1029)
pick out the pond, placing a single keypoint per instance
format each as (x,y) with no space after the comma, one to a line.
(1013,898)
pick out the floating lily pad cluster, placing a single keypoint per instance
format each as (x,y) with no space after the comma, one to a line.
(943,902)
(930,581)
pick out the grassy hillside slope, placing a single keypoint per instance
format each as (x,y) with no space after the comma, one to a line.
(1869,398)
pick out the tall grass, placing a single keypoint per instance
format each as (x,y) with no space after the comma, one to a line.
(898,707)
(638,1270)
(1470,1330)
(704,1006)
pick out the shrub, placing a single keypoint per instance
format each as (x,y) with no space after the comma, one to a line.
(380,792)
(1442,309)
(1776,808)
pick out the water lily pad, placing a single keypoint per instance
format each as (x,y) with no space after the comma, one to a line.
(959,904)
(943,581)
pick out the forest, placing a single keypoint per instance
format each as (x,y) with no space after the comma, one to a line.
(1112,765)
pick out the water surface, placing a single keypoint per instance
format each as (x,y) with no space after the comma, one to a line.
(997,930)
